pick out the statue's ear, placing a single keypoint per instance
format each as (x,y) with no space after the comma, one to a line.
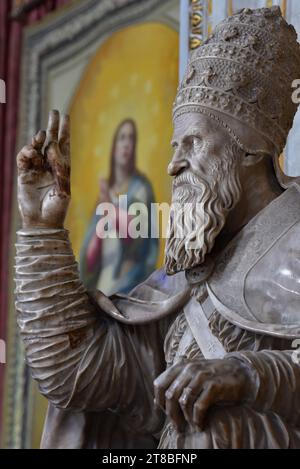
(250,159)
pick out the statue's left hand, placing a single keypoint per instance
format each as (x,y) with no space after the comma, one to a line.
(187,390)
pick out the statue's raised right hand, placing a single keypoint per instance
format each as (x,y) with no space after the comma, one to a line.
(44,176)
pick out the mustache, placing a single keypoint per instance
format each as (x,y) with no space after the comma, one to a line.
(189,178)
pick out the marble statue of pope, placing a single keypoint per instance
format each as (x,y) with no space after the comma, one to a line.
(201,354)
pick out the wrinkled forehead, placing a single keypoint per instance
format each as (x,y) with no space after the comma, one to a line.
(190,123)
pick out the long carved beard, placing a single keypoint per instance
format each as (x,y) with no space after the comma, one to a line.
(200,206)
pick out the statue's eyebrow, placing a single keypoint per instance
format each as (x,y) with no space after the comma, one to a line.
(194,132)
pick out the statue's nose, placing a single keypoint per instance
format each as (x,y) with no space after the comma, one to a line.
(177,164)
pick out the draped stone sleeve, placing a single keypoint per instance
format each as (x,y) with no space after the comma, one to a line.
(81,359)
(276,383)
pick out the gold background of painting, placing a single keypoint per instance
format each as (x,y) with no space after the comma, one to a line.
(134,74)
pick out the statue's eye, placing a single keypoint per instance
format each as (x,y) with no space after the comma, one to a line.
(191,141)
(174,145)
(197,140)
